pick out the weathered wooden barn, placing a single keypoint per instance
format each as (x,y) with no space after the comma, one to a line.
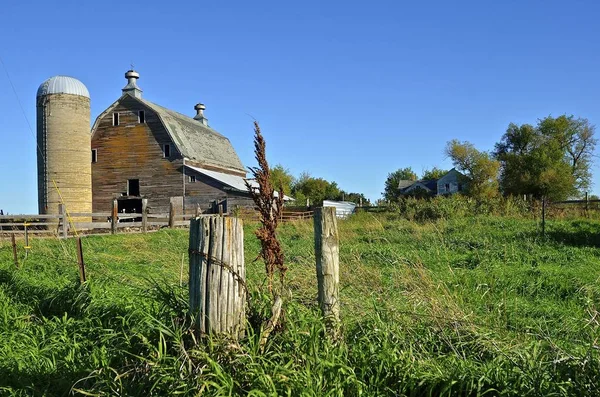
(142,150)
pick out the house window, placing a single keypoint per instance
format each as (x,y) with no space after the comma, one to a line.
(192,178)
(166,150)
(141,117)
(447,186)
(94,155)
(115,119)
(133,187)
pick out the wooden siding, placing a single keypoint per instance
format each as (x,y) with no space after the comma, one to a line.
(135,151)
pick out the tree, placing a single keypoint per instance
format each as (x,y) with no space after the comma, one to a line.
(576,138)
(281,177)
(434,173)
(391,192)
(480,168)
(315,189)
(552,159)
(356,198)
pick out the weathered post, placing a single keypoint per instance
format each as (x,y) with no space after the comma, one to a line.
(217,275)
(80,261)
(144,215)
(327,253)
(171,214)
(14,249)
(544,216)
(62,209)
(27,247)
(114,218)
(587,202)
(198,212)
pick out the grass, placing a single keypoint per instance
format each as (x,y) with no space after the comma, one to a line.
(480,305)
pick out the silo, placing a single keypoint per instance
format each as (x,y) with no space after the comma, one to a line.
(64,148)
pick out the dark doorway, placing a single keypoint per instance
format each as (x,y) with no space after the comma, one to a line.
(133,187)
(130,206)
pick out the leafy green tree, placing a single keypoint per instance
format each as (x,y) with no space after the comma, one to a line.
(480,168)
(315,189)
(281,177)
(391,191)
(552,159)
(576,139)
(357,198)
(434,173)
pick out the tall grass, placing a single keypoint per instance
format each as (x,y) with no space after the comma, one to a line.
(474,305)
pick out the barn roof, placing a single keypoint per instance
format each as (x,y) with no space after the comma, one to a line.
(197,141)
(232,181)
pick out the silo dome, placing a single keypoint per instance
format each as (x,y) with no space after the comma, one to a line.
(63,85)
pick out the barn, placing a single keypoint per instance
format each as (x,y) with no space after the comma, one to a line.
(143,150)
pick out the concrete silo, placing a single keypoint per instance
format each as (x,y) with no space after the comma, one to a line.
(64,149)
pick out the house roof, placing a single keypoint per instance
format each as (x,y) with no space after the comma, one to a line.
(232,181)
(404,183)
(429,185)
(194,140)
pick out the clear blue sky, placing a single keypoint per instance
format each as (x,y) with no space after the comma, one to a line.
(344,90)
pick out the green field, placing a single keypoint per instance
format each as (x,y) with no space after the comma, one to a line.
(470,306)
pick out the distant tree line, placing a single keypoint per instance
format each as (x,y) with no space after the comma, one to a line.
(307,188)
(552,159)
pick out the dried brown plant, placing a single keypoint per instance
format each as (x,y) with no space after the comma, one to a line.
(270,208)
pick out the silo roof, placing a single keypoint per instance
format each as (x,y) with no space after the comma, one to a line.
(63,85)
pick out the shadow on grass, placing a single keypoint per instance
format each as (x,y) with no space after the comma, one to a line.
(575,233)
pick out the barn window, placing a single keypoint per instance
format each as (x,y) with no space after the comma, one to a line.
(447,187)
(133,187)
(94,155)
(166,150)
(141,117)
(192,178)
(115,119)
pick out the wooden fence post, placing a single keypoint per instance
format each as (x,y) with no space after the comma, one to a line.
(327,254)
(14,249)
(217,275)
(80,261)
(27,247)
(144,215)
(114,217)
(587,202)
(62,209)
(171,214)
(544,216)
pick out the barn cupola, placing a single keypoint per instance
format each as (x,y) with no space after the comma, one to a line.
(132,88)
(200,113)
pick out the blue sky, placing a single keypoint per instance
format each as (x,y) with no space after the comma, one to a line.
(345,90)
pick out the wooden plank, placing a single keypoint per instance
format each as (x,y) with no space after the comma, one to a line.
(194,269)
(92,225)
(49,216)
(213,292)
(204,271)
(90,214)
(124,225)
(30,231)
(172,214)
(225,261)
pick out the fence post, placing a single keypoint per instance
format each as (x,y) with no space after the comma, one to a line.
(80,261)
(14,249)
(26,240)
(63,216)
(171,214)
(587,202)
(114,217)
(217,275)
(144,215)
(327,253)
(544,216)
